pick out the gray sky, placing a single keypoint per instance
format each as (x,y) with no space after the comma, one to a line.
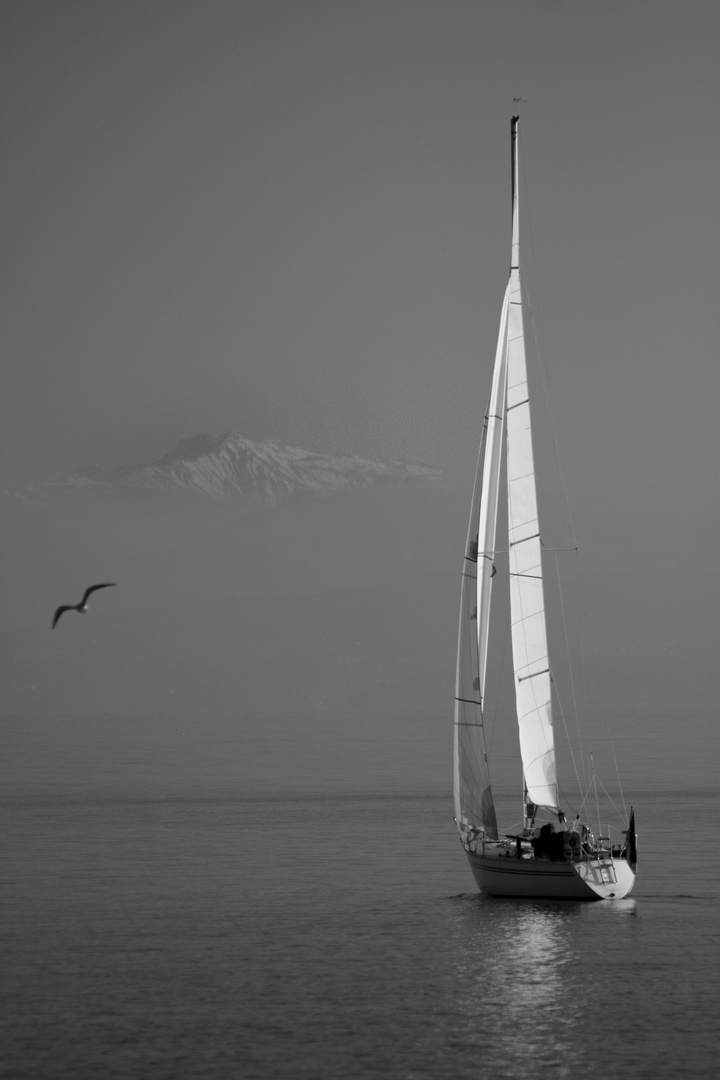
(292,219)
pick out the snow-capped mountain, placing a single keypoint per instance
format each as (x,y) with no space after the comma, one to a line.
(266,471)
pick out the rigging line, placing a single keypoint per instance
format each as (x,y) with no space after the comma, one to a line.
(553,428)
(572,679)
(617,769)
(567,736)
(583,638)
(582,804)
(541,362)
(610,799)
(594,784)
(565,799)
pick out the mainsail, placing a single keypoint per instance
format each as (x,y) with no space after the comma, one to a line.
(527,604)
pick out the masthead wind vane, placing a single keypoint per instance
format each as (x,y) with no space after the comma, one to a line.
(82,606)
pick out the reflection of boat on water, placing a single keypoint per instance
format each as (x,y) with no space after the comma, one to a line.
(556,859)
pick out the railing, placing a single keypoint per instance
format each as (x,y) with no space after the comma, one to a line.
(604,856)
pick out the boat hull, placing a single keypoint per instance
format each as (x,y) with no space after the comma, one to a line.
(503,875)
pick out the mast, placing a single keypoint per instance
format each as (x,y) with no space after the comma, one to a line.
(527,603)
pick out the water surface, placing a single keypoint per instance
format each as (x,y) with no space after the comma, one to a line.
(168,912)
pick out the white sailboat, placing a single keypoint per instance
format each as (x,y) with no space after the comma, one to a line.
(557,859)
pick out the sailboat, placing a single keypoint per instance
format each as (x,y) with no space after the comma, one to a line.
(561,858)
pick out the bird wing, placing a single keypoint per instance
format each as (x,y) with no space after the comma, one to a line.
(58,613)
(94,588)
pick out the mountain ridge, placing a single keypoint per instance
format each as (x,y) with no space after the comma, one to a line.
(264,471)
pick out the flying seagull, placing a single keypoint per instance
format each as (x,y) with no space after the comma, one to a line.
(82,606)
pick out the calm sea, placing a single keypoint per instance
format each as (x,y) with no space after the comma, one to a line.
(272,897)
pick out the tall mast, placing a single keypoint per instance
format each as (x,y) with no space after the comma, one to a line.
(513,179)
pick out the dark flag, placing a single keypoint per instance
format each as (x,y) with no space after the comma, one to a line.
(631,841)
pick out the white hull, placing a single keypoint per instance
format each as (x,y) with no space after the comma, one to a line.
(503,875)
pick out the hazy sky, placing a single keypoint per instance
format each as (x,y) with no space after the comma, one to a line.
(292,219)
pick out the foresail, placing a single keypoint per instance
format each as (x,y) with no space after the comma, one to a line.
(488,510)
(474,807)
(527,605)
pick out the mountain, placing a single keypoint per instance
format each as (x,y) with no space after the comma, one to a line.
(322,603)
(229,465)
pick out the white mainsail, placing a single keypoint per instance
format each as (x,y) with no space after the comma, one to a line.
(527,604)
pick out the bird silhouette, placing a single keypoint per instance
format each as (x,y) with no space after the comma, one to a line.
(82,606)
